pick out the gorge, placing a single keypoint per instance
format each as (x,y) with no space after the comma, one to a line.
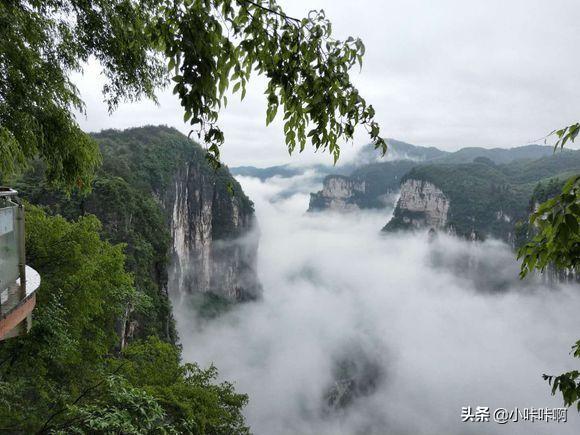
(359,332)
(346,329)
(333,281)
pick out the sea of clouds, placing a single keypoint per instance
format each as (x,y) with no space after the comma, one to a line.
(423,320)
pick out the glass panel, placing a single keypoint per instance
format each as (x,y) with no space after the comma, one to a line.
(9,246)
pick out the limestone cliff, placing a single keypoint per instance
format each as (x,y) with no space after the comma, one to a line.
(211,245)
(214,242)
(373,185)
(338,193)
(421,205)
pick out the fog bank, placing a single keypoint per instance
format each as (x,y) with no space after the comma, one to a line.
(420,337)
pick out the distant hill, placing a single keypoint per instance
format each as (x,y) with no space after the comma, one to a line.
(367,155)
(398,150)
(497,155)
(283,171)
(288,171)
(404,151)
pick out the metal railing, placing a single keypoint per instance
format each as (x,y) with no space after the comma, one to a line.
(12,251)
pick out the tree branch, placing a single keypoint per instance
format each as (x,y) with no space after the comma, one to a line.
(46,426)
(280,14)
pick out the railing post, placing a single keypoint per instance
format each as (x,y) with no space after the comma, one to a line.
(21,250)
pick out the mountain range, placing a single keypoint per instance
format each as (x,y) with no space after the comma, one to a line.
(473,192)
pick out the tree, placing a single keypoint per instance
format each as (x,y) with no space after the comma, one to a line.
(557,222)
(202,46)
(557,243)
(85,289)
(153,393)
(192,400)
(41,43)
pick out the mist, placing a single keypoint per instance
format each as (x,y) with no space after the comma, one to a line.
(421,334)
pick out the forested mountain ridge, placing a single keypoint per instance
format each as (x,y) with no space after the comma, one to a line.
(379,177)
(473,192)
(399,150)
(104,321)
(477,199)
(200,204)
(497,155)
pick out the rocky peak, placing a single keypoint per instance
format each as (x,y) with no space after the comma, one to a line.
(338,193)
(421,205)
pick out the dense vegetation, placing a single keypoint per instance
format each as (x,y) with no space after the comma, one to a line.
(555,242)
(103,323)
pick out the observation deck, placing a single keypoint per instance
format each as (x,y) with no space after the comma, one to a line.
(18,282)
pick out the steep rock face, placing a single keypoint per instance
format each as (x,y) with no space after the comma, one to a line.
(214,242)
(373,185)
(338,193)
(421,204)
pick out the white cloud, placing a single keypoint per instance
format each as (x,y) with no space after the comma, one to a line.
(334,286)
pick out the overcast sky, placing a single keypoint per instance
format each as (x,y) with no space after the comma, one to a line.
(446,73)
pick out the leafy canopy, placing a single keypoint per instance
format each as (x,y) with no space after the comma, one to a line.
(566,134)
(568,384)
(557,222)
(557,243)
(41,43)
(151,392)
(202,46)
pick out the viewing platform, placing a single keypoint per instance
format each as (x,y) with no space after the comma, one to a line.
(18,282)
